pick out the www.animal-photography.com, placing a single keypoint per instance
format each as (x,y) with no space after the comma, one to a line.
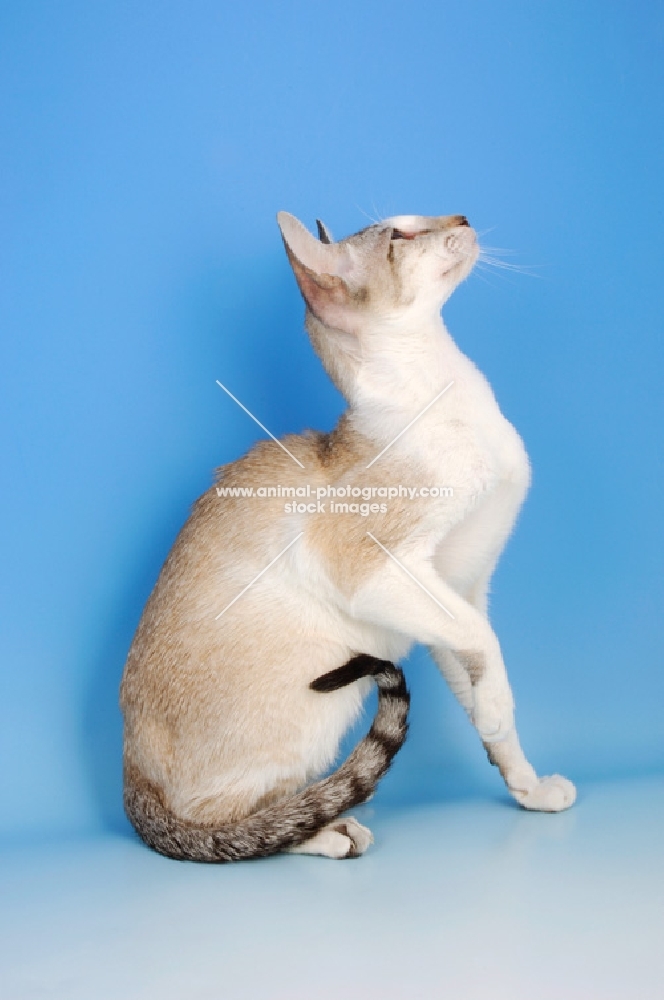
(332,364)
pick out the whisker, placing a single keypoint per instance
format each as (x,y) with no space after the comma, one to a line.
(491,257)
(481,271)
(478,273)
(380,215)
(504,265)
(366,214)
(501,251)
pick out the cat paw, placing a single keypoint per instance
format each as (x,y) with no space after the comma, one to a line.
(551,794)
(358,836)
(344,838)
(493,714)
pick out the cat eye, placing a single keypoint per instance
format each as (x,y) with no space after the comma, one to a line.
(398,234)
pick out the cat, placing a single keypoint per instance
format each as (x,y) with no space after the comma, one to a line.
(270,619)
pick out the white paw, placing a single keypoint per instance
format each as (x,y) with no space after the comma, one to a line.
(551,794)
(344,838)
(493,713)
(334,844)
(359,836)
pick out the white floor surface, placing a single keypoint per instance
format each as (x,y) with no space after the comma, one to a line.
(461,900)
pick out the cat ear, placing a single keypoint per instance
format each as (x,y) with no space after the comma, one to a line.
(333,277)
(321,257)
(317,268)
(324,234)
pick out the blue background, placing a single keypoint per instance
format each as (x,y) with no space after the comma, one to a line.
(145,149)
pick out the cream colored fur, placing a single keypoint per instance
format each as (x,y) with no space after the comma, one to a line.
(219,715)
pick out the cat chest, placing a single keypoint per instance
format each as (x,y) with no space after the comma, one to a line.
(477,455)
(505,450)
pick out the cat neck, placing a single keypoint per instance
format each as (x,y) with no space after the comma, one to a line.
(405,366)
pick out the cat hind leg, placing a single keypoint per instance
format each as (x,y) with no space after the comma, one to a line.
(343,838)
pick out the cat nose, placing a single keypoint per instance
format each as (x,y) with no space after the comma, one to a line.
(451,221)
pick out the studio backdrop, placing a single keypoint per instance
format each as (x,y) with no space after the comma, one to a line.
(145,149)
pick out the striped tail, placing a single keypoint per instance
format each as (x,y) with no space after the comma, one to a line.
(293,821)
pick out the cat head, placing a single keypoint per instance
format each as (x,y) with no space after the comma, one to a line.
(394,274)
(410,263)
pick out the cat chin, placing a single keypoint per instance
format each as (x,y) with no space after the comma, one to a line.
(456,272)
(462,246)
(465,265)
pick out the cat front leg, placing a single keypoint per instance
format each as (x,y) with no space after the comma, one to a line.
(548,794)
(410,597)
(551,794)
